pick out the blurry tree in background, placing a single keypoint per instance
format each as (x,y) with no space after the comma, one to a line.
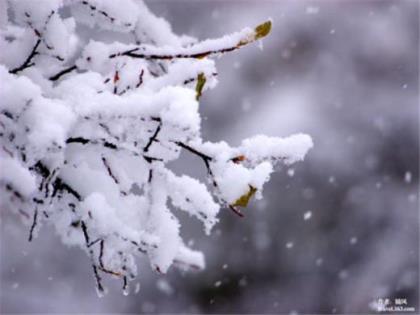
(333,234)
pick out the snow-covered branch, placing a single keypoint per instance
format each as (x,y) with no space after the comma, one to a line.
(88,126)
(200,50)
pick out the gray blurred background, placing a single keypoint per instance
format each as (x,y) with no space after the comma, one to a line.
(346,72)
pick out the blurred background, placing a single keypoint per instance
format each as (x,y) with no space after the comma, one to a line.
(332,234)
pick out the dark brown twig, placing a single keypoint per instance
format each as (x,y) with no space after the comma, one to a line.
(153,137)
(34,223)
(109,145)
(94,266)
(110,173)
(132,53)
(206,159)
(28,62)
(58,75)
(236,211)
(140,82)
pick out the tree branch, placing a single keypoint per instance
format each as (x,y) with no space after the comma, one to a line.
(94,266)
(162,56)
(28,62)
(58,184)
(111,146)
(58,75)
(206,159)
(153,137)
(108,168)
(201,49)
(194,151)
(35,221)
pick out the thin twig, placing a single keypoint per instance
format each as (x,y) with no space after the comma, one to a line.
(111,146)
(94,266)
(206,159)
(110,173)
(35,221)
(132,53)
(27,63)
(153,137)
(194,151)
(58,75)
(236,211)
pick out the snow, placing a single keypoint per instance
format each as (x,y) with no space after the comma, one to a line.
(42,123)
(16,91)
(137,288)
(290,149)
(95,57)
(184,70)
(319,262)
(150,26)
(164,286)
(58,34)
(312,10)
(193,197)
(103,216)
(28,10)
(289,245)
(353,240)
(15,174)
(235,180)
(49,121)
(210,45)
(343,274)
(407,177)
(88,131)
(107,14)
(188,258)
(261,175)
